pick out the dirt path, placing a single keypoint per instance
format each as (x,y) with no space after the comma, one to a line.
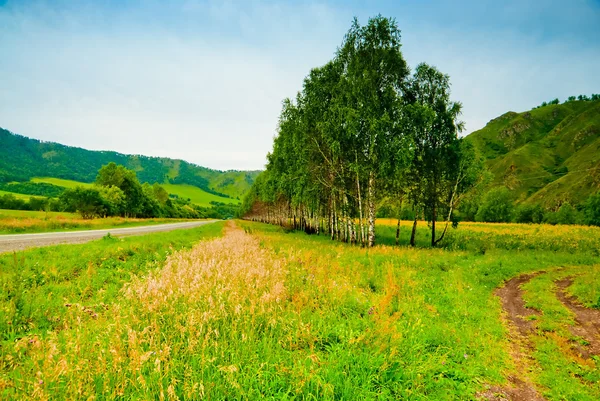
(588,320)
(519,329)
(9,243)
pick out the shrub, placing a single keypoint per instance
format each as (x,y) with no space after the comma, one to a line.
(591,210)
(496,206)
(529,214)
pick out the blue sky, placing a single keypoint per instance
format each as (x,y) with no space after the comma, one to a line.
(204,80)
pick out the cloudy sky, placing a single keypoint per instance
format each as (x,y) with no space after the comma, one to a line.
(203,80)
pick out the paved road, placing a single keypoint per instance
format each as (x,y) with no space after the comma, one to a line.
(14,242)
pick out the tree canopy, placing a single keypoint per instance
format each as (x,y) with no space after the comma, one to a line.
(363,129)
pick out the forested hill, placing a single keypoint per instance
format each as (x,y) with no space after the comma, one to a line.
(547,156)
(22,158)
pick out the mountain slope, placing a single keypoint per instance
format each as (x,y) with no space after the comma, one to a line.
(23,158)
(548,155)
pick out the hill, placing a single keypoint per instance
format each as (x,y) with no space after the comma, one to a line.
(22,159)
(548,155)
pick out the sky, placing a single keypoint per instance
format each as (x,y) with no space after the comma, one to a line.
(203,80)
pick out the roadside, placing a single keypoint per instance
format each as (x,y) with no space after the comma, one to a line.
(29,222)
(15,242)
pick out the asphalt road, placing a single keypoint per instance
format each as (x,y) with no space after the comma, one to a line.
(15,242)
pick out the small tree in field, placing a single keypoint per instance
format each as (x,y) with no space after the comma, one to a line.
(86,201)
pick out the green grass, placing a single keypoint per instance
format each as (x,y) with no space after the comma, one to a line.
(61,182)
(195,194)
(586,287)
(282,315)
(561,370)
(433,307)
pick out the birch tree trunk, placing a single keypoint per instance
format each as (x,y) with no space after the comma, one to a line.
(360,211)
(414,231)
(371,201)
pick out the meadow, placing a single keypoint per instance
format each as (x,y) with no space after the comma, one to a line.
(196,195)
(25,221)
(243,310)
(18,196)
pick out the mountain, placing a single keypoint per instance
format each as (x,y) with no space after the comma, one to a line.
(548,155)
(22,159)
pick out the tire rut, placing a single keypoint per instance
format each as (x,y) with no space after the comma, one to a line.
(520,329)
(588,320)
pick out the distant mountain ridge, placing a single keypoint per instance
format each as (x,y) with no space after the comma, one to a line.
(22,158)
(548,156)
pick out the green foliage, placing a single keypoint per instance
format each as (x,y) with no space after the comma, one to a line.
(566,214)
(86,201)
(16,202)
(496,206)
(362,131)
(30,188)
(592,210)
(529,214)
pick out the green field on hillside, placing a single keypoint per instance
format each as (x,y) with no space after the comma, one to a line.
(196,195)
(61,182)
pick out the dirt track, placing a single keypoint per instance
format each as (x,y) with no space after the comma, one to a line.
(9,243)
(519,328)
(588,320)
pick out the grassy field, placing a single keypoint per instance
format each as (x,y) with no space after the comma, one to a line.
(256,312)
(24,221)
(61,182)
(195,194)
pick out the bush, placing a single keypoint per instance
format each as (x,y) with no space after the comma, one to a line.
(529,214)
(567,214)
(496,206)
(591,210)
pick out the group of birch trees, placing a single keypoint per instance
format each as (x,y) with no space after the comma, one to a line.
(363,129)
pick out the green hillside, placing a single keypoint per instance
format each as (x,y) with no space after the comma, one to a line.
(22,159)
(548,155)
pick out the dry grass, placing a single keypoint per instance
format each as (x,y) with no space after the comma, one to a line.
(129,347)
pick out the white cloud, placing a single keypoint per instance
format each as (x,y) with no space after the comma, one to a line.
(204,80)
(210,101)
